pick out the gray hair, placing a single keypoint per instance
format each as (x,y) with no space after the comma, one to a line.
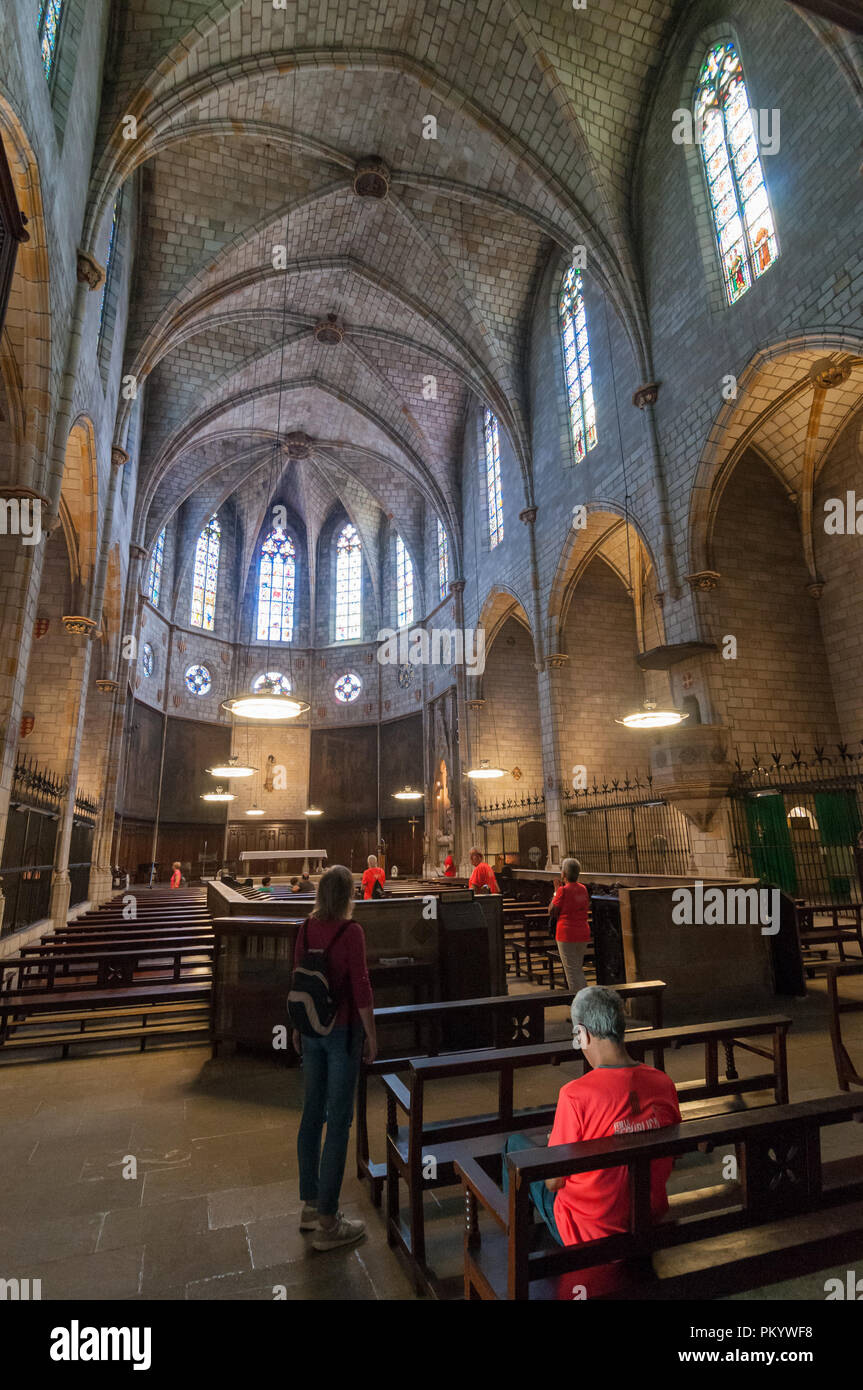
(333,899)
(476,850)
(372,860)
(600,1011)
(570,868)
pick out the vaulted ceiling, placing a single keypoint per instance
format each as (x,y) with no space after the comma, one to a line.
(250,124)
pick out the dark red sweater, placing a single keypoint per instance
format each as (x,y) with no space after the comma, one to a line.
(348,972)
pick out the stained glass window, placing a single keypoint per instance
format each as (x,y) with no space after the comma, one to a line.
(50,14)
(742,221)
(147,659)
(206,576)
(154,574)
(198,680)
(277,683)
(109,263)
(349,585)
(576,363)
(492,477)
(348,687)
(404,584)
(276,588)
(442,559)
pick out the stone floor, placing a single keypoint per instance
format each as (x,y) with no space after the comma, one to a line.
(174,1176)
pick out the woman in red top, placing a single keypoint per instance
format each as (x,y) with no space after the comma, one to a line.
(449,867)
(572,930)
(331,1064)
(372,875)
(177,875)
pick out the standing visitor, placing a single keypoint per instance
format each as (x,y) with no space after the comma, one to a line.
(482,880)
(449,867)
(568,915)
(331,1062)
(371,876)
(177,875)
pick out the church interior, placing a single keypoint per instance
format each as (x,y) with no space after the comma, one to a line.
(429,440)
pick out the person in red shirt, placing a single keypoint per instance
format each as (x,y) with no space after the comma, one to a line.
(372,875)
(618,1096)
(177,875)
(449,867)
(482,879)
(331,1063)
(568,913)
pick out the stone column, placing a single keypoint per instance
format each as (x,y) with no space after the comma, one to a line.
(552,711)
(462,811)
(644,399)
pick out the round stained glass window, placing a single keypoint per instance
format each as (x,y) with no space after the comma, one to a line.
(348,688)
(147,659)
(278,683)
(198,680)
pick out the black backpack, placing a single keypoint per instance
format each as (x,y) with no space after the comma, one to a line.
(311,1007)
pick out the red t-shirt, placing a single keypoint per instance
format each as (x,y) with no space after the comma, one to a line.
(449,867)
(347,969)
(605,1102)
(176,878)
(370,877)
(574,902)
(483,877)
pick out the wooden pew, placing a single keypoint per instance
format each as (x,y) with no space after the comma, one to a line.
(512,1019)
(847,1074)
(105,968)
(814,937)
(406,1147)
(170,1003)
(791,1217)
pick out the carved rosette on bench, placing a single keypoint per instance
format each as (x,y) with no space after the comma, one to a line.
(690,767)
(778,1175)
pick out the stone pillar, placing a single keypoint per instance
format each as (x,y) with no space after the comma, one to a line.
(644,399)
(462,810)
(552,711)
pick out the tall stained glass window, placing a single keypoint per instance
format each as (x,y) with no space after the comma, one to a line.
(442,559)
(576,362)
(154,574)
(109,263)
(404,584)
(349,585)
(206,576)
(492,478)
(742,221)
(276,588)
(50,15)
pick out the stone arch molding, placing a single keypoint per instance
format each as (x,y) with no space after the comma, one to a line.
(25,349)
(763,388)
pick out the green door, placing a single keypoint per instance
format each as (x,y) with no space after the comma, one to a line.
(838,818)
(770,842)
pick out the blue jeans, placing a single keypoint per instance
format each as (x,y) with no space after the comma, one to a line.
(331,1066)
(542,1199)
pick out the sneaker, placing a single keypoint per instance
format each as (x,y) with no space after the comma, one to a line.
(309,1217)
(343,1232)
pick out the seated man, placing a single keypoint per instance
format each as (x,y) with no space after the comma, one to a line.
(304,884)
(482,880)
(619,1096)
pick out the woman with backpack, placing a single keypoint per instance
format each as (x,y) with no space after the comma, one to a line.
(332,1009)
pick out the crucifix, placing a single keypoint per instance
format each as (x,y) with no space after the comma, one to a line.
(413,823)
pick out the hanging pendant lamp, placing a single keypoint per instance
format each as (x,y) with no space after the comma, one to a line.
(649,717)
(232,768)
(218,795)
(267,702)
(408,794)
(485,771)
(312,811)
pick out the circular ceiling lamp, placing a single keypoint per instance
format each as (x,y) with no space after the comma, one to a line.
(371,178)
(218,795)
(312,811)
(267,702)
(408,794)
(329,330)
(254,810)
(232,768)
(485,771)
(649,717)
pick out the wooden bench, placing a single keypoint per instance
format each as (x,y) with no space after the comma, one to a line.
(816,937)
(847,1074)
(106,967)
(509,1019)
(80,946)
(95,1006)
(789,1214)
(407,1146)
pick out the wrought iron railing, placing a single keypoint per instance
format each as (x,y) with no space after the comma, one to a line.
(27,866)
(511,808)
